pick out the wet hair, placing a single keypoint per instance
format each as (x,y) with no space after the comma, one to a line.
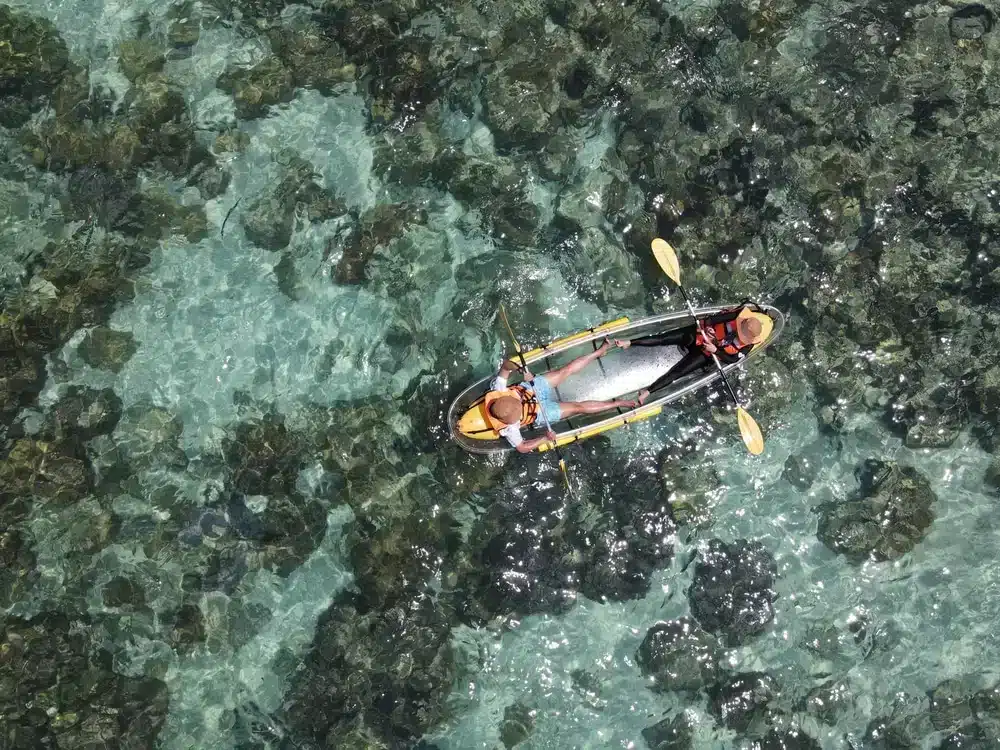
(507,409)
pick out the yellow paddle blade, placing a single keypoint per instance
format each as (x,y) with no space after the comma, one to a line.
(667,259)
(750,431)
(513,338)
(565,473)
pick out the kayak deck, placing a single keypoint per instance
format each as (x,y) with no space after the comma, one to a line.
(619,374)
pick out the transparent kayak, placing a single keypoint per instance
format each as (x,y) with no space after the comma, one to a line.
(620,374)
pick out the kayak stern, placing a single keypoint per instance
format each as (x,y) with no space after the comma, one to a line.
(474,425)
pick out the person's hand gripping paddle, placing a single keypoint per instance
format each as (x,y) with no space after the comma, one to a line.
(524,366)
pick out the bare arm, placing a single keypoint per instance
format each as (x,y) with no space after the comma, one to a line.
(526,446)
(508,366)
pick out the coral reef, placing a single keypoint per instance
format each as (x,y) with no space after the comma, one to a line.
(835,159)
(733,589)
(679,655)
(741,701)
(891,513)
(33,60)
(55,692)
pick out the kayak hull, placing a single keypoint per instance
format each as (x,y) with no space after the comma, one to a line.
(619,374)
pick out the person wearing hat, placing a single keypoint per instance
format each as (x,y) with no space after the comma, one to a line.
(729,335)
(508,409)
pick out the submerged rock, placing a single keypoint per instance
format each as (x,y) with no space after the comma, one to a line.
(800,471)
(17,566)
(588,687)
(787,739)
(155,214)
(264,457)
(389,672)
(396,560)
(379,226)
(124,593)
(392,56)
(498,187)
(22,376)
(407,157)
(152,129)
(255,90)
(986,707)
(891,513)
(522,94)
(232,140)
(871,633)
(523,571)
(100,195)
(691,484)
(188,630)
(313,58)
(971,21)
(600,270)
(153,101)
(58,690)
(992,475)
(270,219)
(740,701)
(733,589)
(518,721)
(33,58)
(971,737)
(670,734)
(211,181)
(37,469)
(147,435)
(951,703)
(291,528)
(82,413)
(679,655)
(185,28)
(905,729)
(933,419)
(139,57)
(627,532)
(107,349)
(828,700)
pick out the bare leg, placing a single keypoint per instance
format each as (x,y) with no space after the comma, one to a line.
(557,376)
(569,409)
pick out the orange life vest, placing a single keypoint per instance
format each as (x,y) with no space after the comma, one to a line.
(529,406)
(726,337)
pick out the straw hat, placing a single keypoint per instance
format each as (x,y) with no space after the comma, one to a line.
(753,327)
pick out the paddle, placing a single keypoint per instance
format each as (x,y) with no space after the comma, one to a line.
(524,366)
(667,258)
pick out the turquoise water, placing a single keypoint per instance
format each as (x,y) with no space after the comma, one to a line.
(330,582)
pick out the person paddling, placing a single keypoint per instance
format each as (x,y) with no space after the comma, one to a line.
(508,409)
(729,335)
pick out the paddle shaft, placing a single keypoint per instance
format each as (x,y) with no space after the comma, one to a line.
(714,358)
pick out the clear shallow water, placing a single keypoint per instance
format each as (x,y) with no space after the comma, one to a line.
(942,598)
(211,322)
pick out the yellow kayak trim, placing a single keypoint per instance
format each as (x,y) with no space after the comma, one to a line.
(575,336)
(624,420)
